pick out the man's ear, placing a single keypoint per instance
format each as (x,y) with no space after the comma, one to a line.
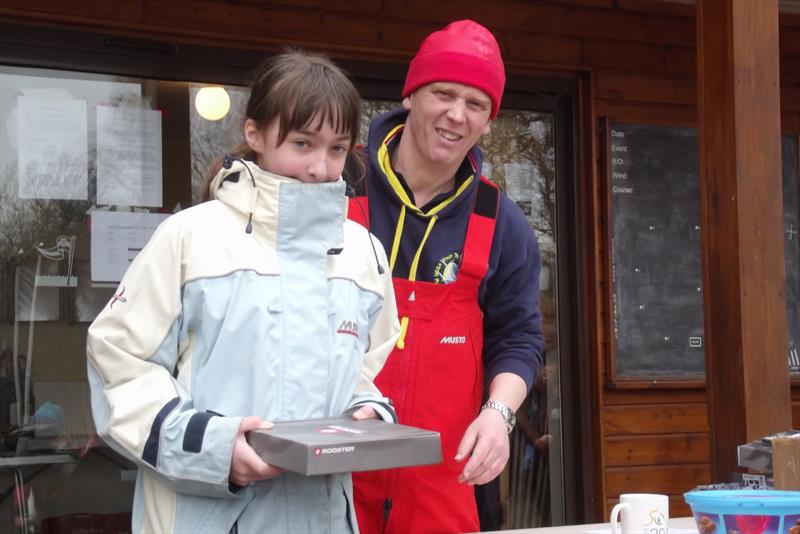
(253,136)
(487,128)
(407,103)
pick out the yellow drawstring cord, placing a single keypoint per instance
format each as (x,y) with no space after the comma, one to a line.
(398,232)
(401,341)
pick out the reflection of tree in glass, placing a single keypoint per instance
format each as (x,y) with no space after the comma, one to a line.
(212,139)
(24,223)
(54,173)
(123,156)
(371,109)
(521,155)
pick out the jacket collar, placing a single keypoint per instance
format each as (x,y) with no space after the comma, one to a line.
(281,205)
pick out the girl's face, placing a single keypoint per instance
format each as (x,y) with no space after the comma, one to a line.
(312,154)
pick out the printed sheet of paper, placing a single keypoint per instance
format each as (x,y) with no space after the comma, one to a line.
(52,143)
(128,156)
(117,237)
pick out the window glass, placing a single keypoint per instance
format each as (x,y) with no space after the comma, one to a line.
(89,165)
(520,158)
(72,145)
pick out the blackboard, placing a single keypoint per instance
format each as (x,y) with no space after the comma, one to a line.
(656,271)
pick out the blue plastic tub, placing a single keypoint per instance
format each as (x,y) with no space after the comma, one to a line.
(745,511)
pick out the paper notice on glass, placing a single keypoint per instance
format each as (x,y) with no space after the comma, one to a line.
(117,237)
(128,156)
(51,138)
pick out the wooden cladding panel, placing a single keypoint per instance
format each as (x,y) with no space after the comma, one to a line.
(622,451)
(677,507)
(576,18)
(790,122)
(654,396)
(789,39)
(658,6)
(671,479)
(658,419)
(118,10)
(579,33)
(636,111)
(535,48)
(223,18)
(790,99)
(588,22)
(500,15)
(790,73)
(122,10)
(796,414)
(636,88)
(640,58)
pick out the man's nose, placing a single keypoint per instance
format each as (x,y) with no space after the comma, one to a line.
(456,110)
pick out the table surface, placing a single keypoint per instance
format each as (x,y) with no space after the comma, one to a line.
(685,524)
(34,459)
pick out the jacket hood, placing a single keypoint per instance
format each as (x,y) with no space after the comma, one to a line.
(384,134)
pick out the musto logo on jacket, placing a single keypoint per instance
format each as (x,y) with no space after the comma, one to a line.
(348,327)
(446,269)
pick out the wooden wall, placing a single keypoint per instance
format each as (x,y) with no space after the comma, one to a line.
(638,59)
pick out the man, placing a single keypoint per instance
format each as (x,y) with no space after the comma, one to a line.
(465,265)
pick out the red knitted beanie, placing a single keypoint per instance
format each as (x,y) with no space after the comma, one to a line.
(463,52)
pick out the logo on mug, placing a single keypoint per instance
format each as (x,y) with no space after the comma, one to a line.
(657,523)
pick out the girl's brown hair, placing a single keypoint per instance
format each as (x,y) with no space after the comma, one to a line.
(296,87)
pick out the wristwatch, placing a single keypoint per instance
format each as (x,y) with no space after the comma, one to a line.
(504,410)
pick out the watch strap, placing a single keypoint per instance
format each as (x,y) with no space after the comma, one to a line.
(505,411)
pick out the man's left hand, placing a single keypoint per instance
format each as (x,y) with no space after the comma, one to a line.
(485,443)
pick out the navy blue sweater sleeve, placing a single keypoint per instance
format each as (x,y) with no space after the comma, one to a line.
(513,340)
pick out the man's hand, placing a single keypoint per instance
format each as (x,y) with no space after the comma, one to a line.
(485,443)
(246,465)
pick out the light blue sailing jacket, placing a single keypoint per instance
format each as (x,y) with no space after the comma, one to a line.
(212,323)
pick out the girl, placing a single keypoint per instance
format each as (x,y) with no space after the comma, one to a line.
(263,304)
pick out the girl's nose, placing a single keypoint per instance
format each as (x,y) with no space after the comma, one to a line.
(317,167)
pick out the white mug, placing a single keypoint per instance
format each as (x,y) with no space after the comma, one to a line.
(641,513)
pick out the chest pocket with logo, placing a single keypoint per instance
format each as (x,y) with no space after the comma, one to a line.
(349,309)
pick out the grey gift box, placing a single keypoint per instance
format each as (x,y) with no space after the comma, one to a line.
(341,445)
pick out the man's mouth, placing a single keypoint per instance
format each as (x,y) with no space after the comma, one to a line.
(449,136)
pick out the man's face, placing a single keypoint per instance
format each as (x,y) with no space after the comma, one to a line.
(446,119)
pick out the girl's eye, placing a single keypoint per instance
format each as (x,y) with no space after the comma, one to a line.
(339,149)
(301,143)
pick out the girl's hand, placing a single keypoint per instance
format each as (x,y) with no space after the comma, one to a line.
(246,465)
(365,412)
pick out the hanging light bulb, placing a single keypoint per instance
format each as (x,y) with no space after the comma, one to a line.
(212,103)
